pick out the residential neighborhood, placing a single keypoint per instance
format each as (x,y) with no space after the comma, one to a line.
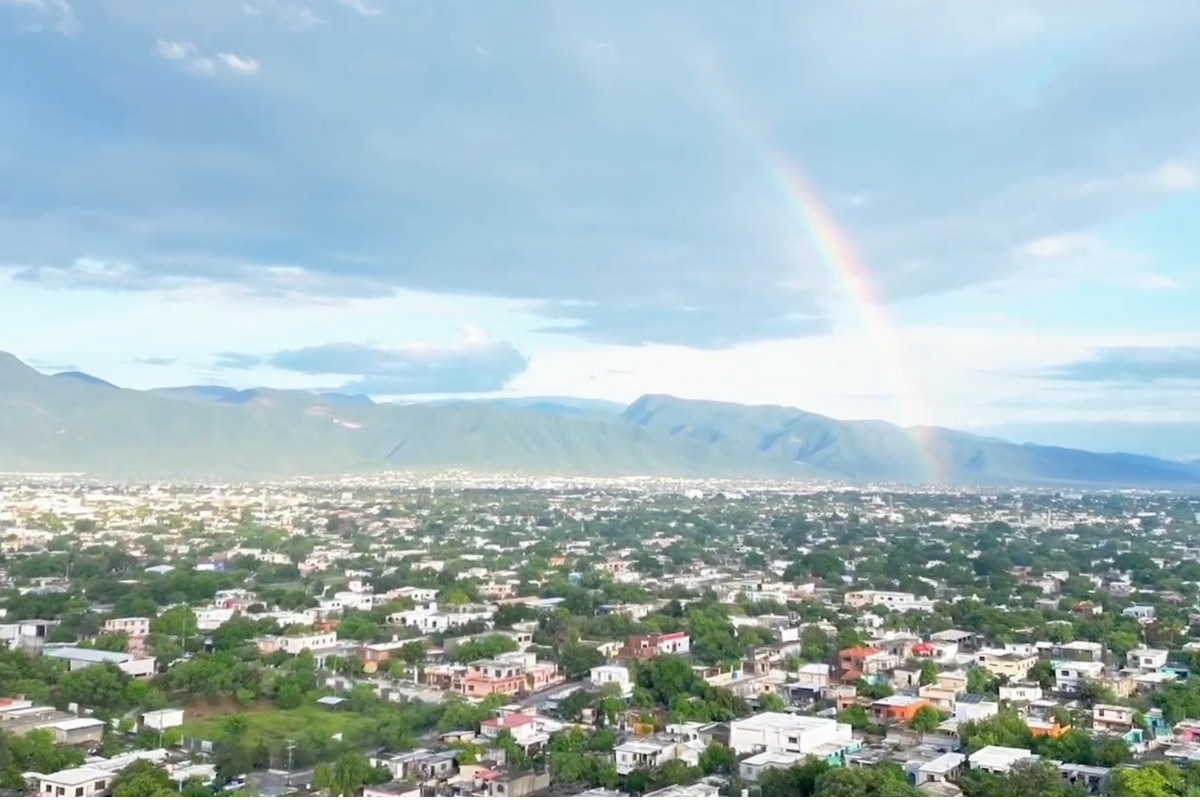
(487,636)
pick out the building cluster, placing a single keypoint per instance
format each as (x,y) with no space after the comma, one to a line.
(858,629)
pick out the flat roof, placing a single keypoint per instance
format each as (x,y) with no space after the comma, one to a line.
(77,775)
(87,654)
(779,719)
(77,723)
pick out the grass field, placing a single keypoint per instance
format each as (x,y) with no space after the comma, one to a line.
(262,722)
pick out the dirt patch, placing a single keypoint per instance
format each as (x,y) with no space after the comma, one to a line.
(223,707)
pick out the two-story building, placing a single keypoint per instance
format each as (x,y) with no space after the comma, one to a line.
(1070,676)
(133,627)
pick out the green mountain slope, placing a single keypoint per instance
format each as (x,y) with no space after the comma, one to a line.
(873,450)
(66,424)
(49,424)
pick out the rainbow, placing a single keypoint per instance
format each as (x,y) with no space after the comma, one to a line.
(835,249)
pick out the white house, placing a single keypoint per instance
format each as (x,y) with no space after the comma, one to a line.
(617,674)
(163,719)
(75,782)
(82,657)
(773,731)
(1147,658)
(1143,614)
(1069,676)
(996,759)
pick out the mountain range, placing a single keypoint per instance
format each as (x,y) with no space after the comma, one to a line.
(73,422)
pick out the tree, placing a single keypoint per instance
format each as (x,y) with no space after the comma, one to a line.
(1158,779)
(769,701)
(854,716)
(345,777)
(929,673)
(926,720)
(718,759)
(885,780)
(1030,778)
(142,779)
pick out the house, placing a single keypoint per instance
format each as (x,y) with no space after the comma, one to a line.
(1006,663)
(943,769)
(656,644)
(612,675)
(894,709)
(772,731)
(83,657)
(965,641)
(813,675)
(752,767)
(1143,614)
(77,731)
(523,728)
(1147,659)
(133,627)
(296,643)
(1069,676)
(163,719)
(680,742)
(392,789)
(996,759)
(75,782)
(860,662)
(893,601)
(1073,651)
(1021,692)
(417,765)
(512,674)
(1112,719)
(690,790)
(973,708)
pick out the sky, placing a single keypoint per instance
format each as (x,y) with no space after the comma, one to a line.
(927,211)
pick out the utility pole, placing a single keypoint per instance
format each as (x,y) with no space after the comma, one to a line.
(291,748)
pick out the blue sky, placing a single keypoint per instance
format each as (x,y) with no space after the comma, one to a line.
(438,196)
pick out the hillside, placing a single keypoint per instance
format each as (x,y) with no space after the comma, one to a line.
(873,450)
(83,424)
(53,424)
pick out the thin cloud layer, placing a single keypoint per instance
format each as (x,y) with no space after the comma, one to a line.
(1135,365)
(616,169)
(476,363)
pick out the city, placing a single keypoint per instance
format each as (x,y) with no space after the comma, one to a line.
(450,635)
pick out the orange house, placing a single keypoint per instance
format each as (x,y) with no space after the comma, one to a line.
(897,708)
(852,662)
(1046,727)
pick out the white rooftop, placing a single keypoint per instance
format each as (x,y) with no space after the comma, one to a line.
(779,719)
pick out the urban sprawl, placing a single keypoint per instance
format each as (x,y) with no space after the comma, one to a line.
(491,636)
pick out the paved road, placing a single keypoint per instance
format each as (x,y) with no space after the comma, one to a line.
(274,783)
(537,698)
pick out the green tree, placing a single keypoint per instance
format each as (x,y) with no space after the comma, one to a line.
(929,673)
(926,720)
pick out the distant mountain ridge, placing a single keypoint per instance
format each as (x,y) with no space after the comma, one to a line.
(79,423)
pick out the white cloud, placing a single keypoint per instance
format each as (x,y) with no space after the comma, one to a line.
(56,14)
(1054,261)
(1175,176)
(361,7)
(186,54)
(288,15)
